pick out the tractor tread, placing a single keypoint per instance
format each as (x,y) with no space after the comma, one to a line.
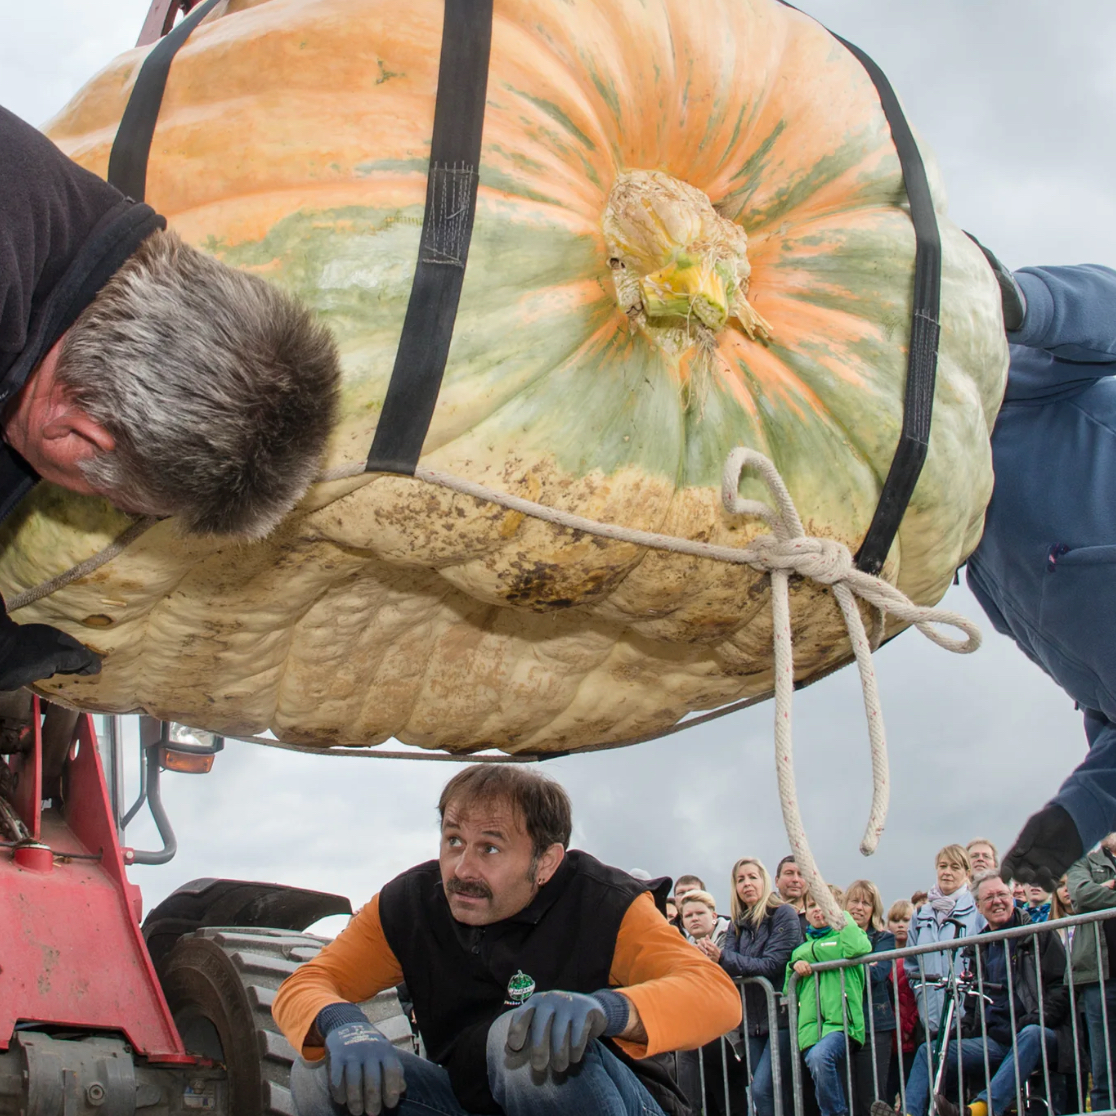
(258,961)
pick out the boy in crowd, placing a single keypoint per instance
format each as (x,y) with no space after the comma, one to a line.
(684,884)
(699,919)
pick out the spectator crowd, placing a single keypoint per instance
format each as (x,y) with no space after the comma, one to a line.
(868,1033)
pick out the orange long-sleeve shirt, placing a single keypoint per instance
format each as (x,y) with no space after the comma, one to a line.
(684,999)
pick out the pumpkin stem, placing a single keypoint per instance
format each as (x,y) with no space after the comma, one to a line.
(680,269)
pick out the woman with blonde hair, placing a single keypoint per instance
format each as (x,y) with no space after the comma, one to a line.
(871,1064)
(948,913)
(763,935)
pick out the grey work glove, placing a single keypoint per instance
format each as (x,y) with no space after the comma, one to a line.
(556,1027)
(365,1070)
(31,652)
(1047,845)
(1012,299)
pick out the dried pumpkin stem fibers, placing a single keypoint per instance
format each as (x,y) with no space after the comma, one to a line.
(786,550)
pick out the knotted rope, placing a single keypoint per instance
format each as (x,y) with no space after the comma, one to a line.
(786,550)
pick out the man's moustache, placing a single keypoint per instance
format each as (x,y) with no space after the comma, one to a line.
(469,889)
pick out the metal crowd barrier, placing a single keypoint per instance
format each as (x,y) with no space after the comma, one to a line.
(718,1078)
(952,973)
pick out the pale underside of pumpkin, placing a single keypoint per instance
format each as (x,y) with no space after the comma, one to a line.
(293,142)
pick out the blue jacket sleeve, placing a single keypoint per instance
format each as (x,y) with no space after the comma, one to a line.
(1068,338)
(879,972)
(786,933)
(1089,794)
(922,964)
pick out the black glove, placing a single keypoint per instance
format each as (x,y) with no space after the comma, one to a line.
(1012,299)
(561,1025)
(1048,844)
(365,1070)
(30,652)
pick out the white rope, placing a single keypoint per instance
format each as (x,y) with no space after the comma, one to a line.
(786,550)
(82,569)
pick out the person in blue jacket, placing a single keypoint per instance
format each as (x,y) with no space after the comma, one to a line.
(1045,569)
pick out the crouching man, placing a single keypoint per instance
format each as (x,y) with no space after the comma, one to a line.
(543,981)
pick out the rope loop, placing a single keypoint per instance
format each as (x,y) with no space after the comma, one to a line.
(827,562)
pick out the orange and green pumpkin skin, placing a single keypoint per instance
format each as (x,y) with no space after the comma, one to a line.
(293,142)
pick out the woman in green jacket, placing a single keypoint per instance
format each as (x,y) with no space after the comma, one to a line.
(829,1002)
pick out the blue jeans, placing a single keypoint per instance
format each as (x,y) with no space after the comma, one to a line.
(601,1084)
(1099,1053)
(824,1060)
(1028,1055)
(763,1083)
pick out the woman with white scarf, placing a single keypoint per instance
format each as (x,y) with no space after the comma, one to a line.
(949,912)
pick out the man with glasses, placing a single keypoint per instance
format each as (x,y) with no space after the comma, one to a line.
(982,856)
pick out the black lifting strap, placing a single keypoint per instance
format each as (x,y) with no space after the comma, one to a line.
(127,168)
(922,355)
(447,228)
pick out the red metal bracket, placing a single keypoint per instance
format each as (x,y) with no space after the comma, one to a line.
(27,774)
(160,19)
(72,953)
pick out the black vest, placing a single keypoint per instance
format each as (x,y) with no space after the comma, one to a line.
(458,975)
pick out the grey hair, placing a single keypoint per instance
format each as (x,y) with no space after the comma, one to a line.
(981,878)
(219,390)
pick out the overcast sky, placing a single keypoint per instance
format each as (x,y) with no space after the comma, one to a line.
(1017,98)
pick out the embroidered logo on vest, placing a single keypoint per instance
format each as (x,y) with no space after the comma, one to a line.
(520,989)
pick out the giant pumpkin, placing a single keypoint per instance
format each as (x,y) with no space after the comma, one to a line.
(690,235)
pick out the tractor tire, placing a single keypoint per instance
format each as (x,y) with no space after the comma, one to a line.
(228,903)
(220,984)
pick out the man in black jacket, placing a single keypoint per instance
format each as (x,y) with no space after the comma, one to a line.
(135,368)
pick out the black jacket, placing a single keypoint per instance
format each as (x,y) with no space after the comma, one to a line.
(762,951)
(63,233)
(1024,985)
